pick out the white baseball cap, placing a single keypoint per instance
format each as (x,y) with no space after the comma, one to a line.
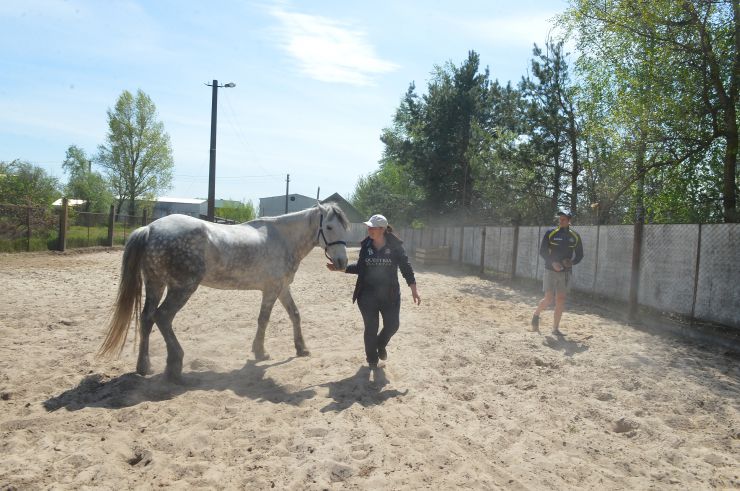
(377,221)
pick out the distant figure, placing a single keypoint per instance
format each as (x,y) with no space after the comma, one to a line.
(561,248)
(377,291)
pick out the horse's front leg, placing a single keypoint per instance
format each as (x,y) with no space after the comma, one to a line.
(258,345)
(295,317)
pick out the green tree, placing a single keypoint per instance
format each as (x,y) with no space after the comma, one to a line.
(389,191)
(553,127)
(244,212)
(434,137)
(137,156)
(22,183)
(675,69)
(84,183)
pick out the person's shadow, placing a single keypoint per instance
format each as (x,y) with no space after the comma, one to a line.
(131,389)
(558,342)
(364,387)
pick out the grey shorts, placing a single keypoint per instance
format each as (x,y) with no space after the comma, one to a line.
(555,281)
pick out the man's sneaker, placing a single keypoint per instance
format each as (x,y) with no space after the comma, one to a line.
(536,322)
(382,354)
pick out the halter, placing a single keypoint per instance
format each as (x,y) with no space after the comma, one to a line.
(322,236)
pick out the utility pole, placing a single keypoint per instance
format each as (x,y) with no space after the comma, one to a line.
(287,186)
(212,162)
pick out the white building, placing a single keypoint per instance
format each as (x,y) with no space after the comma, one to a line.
(70,202)
(165,205)
(275,205)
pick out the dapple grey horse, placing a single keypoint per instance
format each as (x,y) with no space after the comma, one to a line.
(180,253)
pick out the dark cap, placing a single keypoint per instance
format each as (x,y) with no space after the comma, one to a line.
(564,212)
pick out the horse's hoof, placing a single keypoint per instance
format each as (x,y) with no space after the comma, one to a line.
(261,356)
(143,370)
(302,352)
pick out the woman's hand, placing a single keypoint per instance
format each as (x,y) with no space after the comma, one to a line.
(415,294)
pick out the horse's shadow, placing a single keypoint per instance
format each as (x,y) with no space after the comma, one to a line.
(364,387)
(558,342)
(131,389)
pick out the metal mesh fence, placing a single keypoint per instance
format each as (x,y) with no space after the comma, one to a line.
(718,280)
(499,248)
(28,228)
(528,257)
(123,226)
(687,269)
(614,262)
(668,267)
(584,273)
(87,229)
(471,245)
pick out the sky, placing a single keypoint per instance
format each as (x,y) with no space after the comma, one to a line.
(316,82)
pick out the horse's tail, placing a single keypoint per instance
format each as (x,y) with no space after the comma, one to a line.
(128,302)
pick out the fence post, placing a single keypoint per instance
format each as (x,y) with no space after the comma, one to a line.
(596,258)
(537,255)
(143,218)
(111,218)
(28,228)
(462,243)
(635,278)
(483,251)
(62,244)
(696,277)
(515,250)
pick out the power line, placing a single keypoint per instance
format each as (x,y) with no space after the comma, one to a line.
(271,176)
(232,117)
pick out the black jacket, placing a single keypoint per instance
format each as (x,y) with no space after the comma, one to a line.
(559,244)
(378,269)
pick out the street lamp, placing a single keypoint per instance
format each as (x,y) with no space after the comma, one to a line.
(212,166)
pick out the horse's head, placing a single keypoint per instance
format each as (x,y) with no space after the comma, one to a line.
(332,234)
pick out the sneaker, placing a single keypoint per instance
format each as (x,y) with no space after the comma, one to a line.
(536,322)
(382,354)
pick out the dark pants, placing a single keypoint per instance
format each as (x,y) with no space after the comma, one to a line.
(372,304)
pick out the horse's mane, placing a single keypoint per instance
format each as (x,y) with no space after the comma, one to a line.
(335,209)
(332,208)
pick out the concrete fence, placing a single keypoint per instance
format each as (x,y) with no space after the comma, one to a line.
(691,270)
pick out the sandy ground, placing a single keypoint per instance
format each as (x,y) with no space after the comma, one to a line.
(469,397)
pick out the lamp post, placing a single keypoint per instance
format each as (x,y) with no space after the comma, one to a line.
(212,165)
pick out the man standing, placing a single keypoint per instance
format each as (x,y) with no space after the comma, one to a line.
(561,248)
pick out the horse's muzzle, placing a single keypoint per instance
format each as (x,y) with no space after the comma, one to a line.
(340,262)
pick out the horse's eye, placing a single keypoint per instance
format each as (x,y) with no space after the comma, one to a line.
(328,227)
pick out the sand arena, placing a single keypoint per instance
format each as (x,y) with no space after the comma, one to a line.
(469,396)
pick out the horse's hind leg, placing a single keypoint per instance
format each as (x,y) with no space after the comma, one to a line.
(295,317)
(258,345)
(154,290)
(176,299)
